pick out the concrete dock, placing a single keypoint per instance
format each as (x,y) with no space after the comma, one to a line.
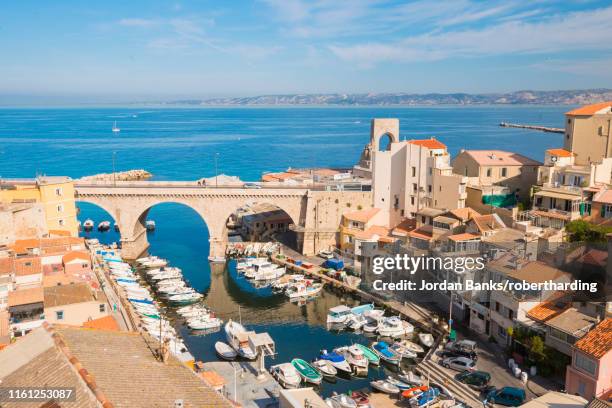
(243,385)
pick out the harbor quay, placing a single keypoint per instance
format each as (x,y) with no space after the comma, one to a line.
(277,304)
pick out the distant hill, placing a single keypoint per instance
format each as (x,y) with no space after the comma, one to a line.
(571,97)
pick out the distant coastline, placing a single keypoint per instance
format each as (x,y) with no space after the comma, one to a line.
(518,98)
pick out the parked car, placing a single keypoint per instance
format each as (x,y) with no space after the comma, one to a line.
(459,353)
(468,346)
(459,364)
(475,379)
(509,396)
(326,254)
(251,185)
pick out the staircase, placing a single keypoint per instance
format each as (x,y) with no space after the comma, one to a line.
(436,373)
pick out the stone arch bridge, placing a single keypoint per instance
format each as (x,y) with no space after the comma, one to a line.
(316,214)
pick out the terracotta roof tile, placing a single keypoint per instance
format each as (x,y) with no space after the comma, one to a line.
(463,237)
(421,234)
(464,214)
(428,143)
(547,310)
(6,265)
(30,265)
(362,215)
(25,296)
(67,294)
(560,152)
(103,323)
(501,158)
(597,342)
(589,110)
(71,256)
(403,228)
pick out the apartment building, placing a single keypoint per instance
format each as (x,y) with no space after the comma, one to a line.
(565,190)
(74,304)
(489,168)
(54,194)
(587,133)
(410,175)
(361,225)
(590,373)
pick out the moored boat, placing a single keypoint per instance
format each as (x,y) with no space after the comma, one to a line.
(384,386)
(355,357)
(237,337)
(341,401)
(224,351)
(338,314)
(426,339)
(337,360)
(308,373)
(387,355)
(325,367)
(286,375)
(369,354)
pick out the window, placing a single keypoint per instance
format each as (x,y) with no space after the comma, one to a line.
(504,172)
(585,364)
(501,331)
(489,172)
(60,208)
(440,188)
(606,211)
(102,308)
(413,171)
(429,188)
(61,222)
(59,315)
(412,200)
(430,171)
(414,187)
(58,191)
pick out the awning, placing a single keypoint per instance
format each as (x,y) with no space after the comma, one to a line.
(560,195)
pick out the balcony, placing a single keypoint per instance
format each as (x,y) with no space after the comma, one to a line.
(560,188)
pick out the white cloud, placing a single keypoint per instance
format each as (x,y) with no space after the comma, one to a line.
(589,30)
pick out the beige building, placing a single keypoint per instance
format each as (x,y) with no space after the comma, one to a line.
(74,304)
(587,132)
(412,174)
(498,168)
(54,194)
(21,221)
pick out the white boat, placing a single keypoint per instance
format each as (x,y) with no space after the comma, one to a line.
(426,339)
(337,360)
(205,324)
(268,273)
(115,129)
(286,375)
(150,225)
(385,386)
(338,314)
(185,299)
(155,263)
(394,327)
(165,269)
(238,337)
(355,322)
(371,325)
(412,346)
(104,226)
(303,289)
(355,357)
(88,225)
(340,401)
(325,367)
(216,259)
(225,351)
(410,377)
(166,275)
(403,351)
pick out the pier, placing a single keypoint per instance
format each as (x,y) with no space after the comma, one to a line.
(533,127)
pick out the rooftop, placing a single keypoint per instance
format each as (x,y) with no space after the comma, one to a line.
(560,152)
(501,158)
(598,342)
(76,255)
(463,237)
(488,222)
(554,399)
(572,321)
(6,265)
(362,215)
(547,310)
(103,323)
(590,110)
(30,265)
(25,296)
(403,228)
(531,271)
(431,143)
(68,294)
(604,196)
(464,214)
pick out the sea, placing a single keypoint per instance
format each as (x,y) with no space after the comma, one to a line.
(182,144)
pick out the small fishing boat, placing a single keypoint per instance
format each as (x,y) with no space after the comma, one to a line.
(325,367)
(426,398)
(308,373)
(399,384)
(411,378)
(88,225)
(403,351)
(361,398)
(185,298)
(362,309)
(216,259)
(338,314)
(394,327)
(371,325)
(355,322)
(305,289)
(104,226)
(341,401)
(385,386)
(415,348)
(413,391)
(355,357)
(369,354)
(426,339)
(337,360)
(225,351)
(146,301)
(204,323)
(150,225)
(286,375)
(237,337)
(387,355)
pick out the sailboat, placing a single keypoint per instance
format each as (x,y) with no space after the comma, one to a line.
(115,128)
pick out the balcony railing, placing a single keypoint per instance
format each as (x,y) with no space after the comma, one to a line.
(562,188)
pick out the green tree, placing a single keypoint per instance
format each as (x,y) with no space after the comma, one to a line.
(536,350)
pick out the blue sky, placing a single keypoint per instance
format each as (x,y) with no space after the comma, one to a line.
(163,49)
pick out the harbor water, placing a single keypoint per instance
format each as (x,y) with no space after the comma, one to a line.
(180,144)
